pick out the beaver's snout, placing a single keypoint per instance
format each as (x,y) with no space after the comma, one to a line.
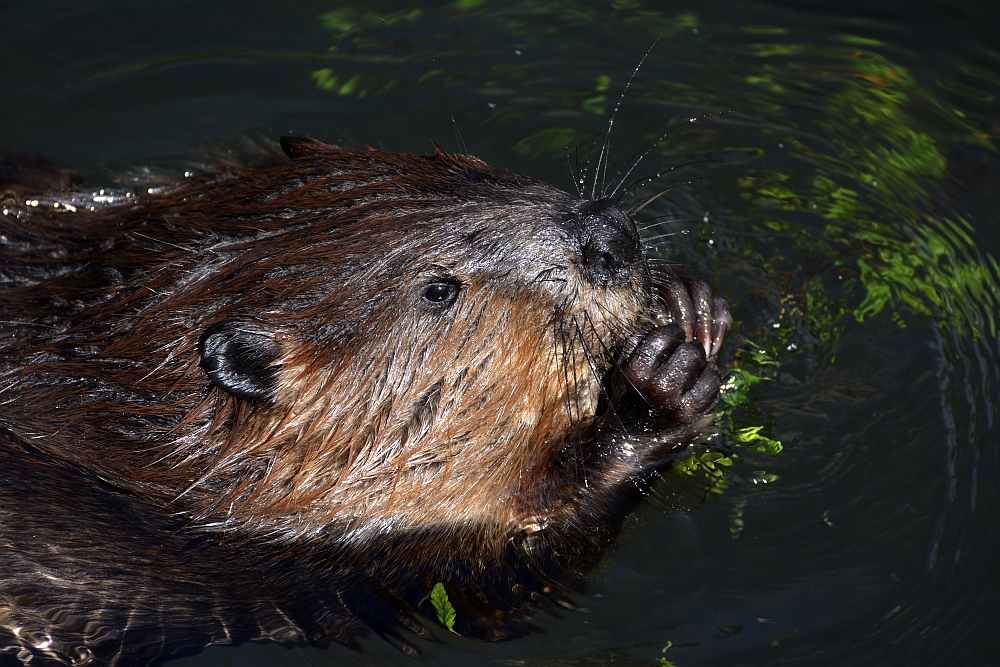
(609,242)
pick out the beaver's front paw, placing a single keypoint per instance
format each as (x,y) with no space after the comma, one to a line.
(673,377)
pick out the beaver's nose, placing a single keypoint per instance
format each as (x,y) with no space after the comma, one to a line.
(609,243)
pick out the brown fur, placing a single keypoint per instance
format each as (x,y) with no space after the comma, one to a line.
(470,424)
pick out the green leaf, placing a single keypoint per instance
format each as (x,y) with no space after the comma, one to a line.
(325,79)
(442,606)
(664,661)
(755,442)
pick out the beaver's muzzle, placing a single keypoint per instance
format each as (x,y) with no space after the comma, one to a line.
(610,251)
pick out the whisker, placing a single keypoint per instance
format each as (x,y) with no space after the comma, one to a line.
(615,318)
(660,237)
(604,346)
(459,140)
(572,391)
(399,106)
(580,178)
(647,202)
(592,364)
(637,158)
(637,184)
(602,170)
(578,434)
(575,174)
(661,219)
(641,154)
(559,340)
(650,200)
(616,362)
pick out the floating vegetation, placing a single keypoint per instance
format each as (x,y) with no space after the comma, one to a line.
(442,606)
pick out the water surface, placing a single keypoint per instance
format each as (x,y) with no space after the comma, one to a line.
(843,195)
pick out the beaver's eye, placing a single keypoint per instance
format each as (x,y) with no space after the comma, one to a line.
(440,294)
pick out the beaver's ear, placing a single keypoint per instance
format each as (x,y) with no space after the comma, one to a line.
(298,147)
(239,357)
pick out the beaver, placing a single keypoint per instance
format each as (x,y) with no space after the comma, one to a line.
(283,401)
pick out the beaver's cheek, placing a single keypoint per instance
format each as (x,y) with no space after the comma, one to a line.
(673,377)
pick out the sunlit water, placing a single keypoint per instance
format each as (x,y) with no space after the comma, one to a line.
(843,196)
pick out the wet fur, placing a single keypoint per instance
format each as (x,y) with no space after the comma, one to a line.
(239,375)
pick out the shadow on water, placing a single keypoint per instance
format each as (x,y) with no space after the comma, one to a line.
(848,214)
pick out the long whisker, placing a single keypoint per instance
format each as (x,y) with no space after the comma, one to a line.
(607,351)
(649,240)
(641,154)
(559,340)
(650,200)
(573,399)
(615,319)
(407,114)
(659,220)
(592,364)
(575,174)
(459,139)
(602,160)
(635,185)
(578,435)
(580,177)
(638,207)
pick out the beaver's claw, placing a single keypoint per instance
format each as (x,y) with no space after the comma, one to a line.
(685,300)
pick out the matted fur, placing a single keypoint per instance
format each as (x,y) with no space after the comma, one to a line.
(489,437)
(386,414)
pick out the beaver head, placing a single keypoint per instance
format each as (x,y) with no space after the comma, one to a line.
(347,343)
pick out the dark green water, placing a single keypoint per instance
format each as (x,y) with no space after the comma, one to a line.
(850,216)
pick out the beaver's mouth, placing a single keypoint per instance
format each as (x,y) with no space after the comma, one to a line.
(664,373)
